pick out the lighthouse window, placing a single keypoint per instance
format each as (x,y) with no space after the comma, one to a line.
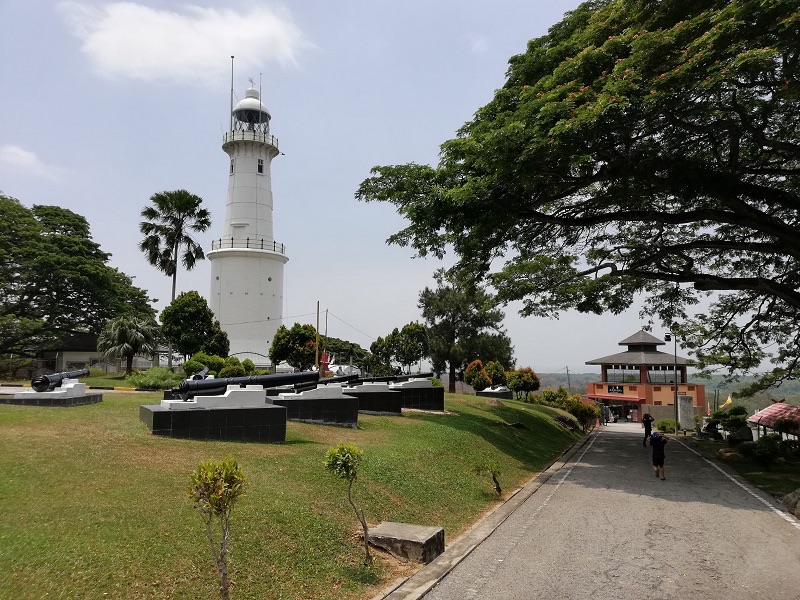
(231,167)
(261,166)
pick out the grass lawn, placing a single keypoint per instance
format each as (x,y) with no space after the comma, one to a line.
(783,476)
(94,505)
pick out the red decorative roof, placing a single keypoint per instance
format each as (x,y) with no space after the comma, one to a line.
(779,410)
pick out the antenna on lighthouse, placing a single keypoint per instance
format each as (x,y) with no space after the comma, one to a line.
(231,117)
(260,99)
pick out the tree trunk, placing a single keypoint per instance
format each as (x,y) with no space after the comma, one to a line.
(174,283)
(129,365)
(451,377)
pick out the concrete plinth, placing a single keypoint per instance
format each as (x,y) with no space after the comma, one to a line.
(418,543)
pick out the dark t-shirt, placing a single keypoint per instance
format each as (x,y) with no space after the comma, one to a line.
(658,448)
(648,423)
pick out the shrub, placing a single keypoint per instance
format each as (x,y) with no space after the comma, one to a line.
(523,381)
(191,367)
(666,425)
(767,450)
(785,426)
(249,366)
(214,488)
(344,461)
(232,370)
(155,378)
(436,382)
(496,372)
(476,376)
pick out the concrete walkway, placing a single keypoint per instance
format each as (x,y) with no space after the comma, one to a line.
(599,525)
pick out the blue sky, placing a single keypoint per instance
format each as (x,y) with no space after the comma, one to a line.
(107,103)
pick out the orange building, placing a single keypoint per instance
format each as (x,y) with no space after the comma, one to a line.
(642,379)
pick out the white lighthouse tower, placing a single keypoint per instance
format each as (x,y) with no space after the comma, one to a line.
(246,261)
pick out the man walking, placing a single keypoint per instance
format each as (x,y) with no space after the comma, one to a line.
(647,421)
(658,442)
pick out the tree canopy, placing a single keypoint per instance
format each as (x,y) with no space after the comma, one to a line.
(455,312)
(297,346)
(640,147)
(188,323)
(55,281)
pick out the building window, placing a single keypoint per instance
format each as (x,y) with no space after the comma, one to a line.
(260,166)
(231,167)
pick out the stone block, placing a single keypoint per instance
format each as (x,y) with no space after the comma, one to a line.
(418,543)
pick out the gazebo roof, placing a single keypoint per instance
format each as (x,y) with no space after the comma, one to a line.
(779,410)
(641,351)
(641,338)
(639,358)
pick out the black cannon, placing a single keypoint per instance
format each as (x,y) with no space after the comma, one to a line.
(209,387)
(310,385)
(45,383)
(200,375)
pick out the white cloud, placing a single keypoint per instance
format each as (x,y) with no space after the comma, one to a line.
(478,43)
(132,41)
(22,161)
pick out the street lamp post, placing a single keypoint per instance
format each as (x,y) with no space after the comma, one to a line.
(668,337)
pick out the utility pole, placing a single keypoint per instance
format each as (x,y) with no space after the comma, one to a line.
(569,385)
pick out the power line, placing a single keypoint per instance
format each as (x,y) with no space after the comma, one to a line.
(351,326)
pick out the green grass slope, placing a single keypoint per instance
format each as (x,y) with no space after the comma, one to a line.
(94,505)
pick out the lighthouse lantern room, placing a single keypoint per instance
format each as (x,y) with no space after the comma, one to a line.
(246,261)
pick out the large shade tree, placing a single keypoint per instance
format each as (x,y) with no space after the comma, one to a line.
(168,225)
(55,281)
(640,147)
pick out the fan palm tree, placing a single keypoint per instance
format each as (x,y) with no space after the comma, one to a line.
(168,225)
(126,336)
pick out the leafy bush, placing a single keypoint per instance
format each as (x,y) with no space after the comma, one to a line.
(232,360)
(436,382)
(666,425)
(232,370)
(523,381)
(344,461)
(496,372)
(155,378)
(214,487)
(249,366)
(767,450)
(476,376)
(785,426)
(190,367)
(212,361)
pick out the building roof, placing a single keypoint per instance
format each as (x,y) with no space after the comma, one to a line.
(779,410)
(641,351)
(641,338)
(654,357)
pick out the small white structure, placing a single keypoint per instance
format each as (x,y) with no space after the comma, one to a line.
(246,262)
(69,388)
(250,396)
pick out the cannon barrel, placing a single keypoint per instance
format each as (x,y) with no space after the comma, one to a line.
(200,375)
(191,388)
(44,383)
(339,379)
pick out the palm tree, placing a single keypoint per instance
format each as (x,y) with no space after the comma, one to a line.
(127,336)
(167,227)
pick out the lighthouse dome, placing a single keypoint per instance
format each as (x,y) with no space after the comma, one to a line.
(248,109)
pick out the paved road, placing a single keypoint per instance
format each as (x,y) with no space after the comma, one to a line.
(603,527)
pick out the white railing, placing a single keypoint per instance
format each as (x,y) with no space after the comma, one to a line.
(250,136)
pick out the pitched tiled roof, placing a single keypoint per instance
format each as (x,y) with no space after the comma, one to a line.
(779,410)
(639,358)
(641,338)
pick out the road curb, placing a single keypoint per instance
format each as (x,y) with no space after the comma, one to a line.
(421,582)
